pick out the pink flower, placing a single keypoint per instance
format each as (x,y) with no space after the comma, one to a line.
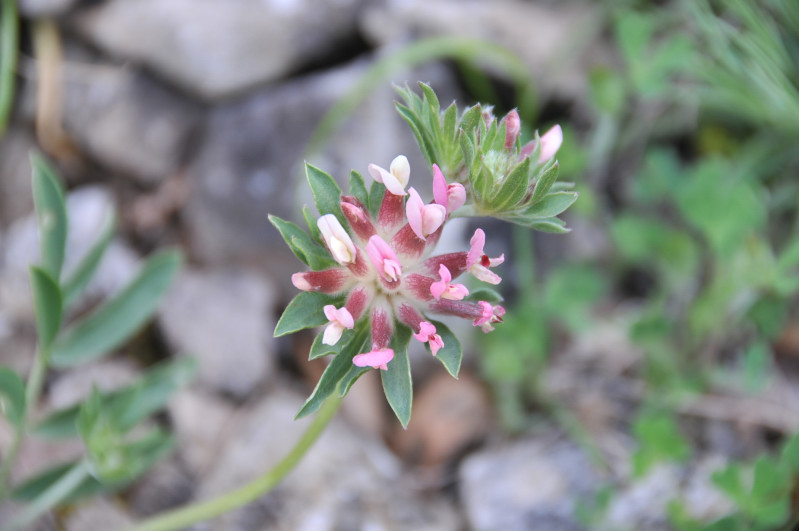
(512,128)
(452,196)
(443,288)
(397,178)
(423,219)
(550,143)
(339,320)
(427,334)
(375,358)
(489,315)
(478,263)
(337,240)
(384,259)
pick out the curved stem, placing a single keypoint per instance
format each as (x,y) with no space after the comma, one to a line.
(32,391)
(9,47)
(204,510)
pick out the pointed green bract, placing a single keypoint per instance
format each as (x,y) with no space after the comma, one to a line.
(552,205)
(303,247)
(358,188)
(326,192)
(338,368)
(12,396)
(484,294)
(451,354)
(313,228)
(74,285)
(116,320)
(376,193)
(48,305)
(51,216)
(514,188)
(306,310)
(544,183)
(397,379)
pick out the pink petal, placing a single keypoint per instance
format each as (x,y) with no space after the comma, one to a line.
(414,208)
(439,186)
(550,143)
(433,217)
(436,343)
(377,359)
(456,197)
(444,273)
(484,274)
(332,334)
(477,242)
(512,128)
(438,288)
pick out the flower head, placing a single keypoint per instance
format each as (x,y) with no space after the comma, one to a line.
(478,262)
(444,288)
(427,334)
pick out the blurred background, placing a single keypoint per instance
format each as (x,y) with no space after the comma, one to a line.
(647,374)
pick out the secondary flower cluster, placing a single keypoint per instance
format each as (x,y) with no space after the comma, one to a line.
(387,271)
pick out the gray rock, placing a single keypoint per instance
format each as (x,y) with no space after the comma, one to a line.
(544,36)
(161,488)
(16,199)
(642,504)
(345,481)
(74,385)
(96,514)
(215,48)
(223,318)
(530,485)
(127,121)
(45,8)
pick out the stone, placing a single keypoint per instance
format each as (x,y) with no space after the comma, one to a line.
(97,513)
(529,485)
(74,385)
(216,48)
(165,486)
(16,198)
(45,8)
(448,417)
(542,35)
(224,320)
(333,487)
(643,503)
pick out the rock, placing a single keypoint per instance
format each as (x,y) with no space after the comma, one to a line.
(642,505)
(16,198)
(73,386)
(541,35)
(222,318)
(216,48)
(530,485)
(128,122)
(200,419)
(45,8)
(701,498)
(333,487)
(98,513)
(448,417)
(161,488)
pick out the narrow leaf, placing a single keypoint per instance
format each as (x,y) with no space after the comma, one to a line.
(470,118)
(303,247)
(326,192)
(358,188)
(12,396)
(334,373)
(544,183)
(484,294)
(376,193)
(313,228)
(47,305)
(73,286)
(397,379)
(451,354)
(305,311)
(513,189)
(118,319)
(51,216)
(551,205)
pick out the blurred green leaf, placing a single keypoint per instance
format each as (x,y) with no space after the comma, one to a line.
(306,310)
(659,439)
(118,319)
(12,396)
(47,305)
(451,354)
(397,379)
(608,91)
(73,286)
(757,360)
(326,192)
(484,294)
(51,216)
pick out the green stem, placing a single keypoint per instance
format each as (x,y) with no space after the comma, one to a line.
(32,391)
(54,495)
(205,510)
(9,46)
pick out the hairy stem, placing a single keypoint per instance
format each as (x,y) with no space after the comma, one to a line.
(204,510)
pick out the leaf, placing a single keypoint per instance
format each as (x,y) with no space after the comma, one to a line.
(118,319)
(306,310)
(430,97)
(484,294)
(448,124)
(326,192)
(397,379)
(513,189)
(544,183)
(376,193)
(34,486)
(47,305)
(418,129)
(470,118)
(303,247)
(51,216)
(358,188)
(789,457)
(551,205)
(313,228)
(350,378)
(129,405)
(73,286)
(12,396)
(451,354)
(550,225)
(338,368)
